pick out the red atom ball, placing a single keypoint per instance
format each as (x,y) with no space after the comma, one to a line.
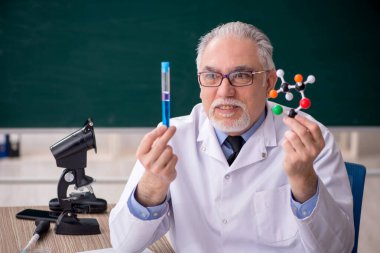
(305,103)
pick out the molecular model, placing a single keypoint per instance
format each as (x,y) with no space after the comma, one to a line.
(299,86)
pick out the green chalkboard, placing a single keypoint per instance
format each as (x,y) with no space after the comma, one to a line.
(64,61)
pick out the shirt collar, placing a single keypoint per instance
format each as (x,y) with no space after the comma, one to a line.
(222,136)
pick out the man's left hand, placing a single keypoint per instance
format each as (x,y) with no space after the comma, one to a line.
(302,144)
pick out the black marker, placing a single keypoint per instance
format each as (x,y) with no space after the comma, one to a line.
(42,227)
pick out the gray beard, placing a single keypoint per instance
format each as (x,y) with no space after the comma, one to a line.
(233,126)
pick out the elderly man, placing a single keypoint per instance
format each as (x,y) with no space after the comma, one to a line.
(232,176)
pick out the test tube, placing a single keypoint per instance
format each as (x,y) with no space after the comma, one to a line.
(165,92)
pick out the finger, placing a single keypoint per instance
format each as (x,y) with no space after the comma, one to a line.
(302,131)
(288,148)
(170,170)
(161,143)
(168,173)
(296,143)
(149,139)
(163,140)
(313,128)
(162,160)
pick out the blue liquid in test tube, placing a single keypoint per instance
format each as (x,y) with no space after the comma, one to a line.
(165,91)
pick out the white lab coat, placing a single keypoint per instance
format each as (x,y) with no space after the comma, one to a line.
(242,208)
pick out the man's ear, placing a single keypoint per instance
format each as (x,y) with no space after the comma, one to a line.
(271,80)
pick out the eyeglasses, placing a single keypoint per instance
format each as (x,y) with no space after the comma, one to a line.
(236,78)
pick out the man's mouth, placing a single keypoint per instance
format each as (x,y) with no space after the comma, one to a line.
(229,115)
(226,107)
(226,110)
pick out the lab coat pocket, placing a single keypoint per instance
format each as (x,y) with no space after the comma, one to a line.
(274,220)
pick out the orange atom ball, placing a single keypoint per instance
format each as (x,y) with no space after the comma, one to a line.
(298,78)
(273,94)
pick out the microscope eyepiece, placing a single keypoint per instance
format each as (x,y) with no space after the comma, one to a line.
(70,152)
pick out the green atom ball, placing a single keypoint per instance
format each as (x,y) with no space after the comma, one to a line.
(277,109)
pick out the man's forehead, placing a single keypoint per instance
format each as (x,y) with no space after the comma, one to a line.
(226,54)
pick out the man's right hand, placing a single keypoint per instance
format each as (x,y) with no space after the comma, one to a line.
(157,157)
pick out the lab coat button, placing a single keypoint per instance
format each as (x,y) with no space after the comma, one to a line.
(224,221)
(227,177)
(263,155)
(203,148)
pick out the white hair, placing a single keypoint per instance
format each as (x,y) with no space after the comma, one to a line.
(240,30)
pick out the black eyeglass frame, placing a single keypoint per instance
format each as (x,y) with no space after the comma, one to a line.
(253,73)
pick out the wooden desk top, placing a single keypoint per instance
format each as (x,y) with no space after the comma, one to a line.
(16,233)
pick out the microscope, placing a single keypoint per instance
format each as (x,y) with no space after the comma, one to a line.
(71,153)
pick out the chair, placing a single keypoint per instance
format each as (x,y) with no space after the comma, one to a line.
(356,174)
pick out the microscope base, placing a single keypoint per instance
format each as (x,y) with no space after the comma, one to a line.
(71,225)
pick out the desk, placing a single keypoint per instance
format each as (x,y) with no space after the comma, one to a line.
(15,234)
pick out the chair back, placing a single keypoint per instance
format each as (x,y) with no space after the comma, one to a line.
(356,174)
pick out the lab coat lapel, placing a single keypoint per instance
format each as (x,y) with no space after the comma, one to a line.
(256,148)
(209,142)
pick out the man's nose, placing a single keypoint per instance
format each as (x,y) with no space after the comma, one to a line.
(226,89)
